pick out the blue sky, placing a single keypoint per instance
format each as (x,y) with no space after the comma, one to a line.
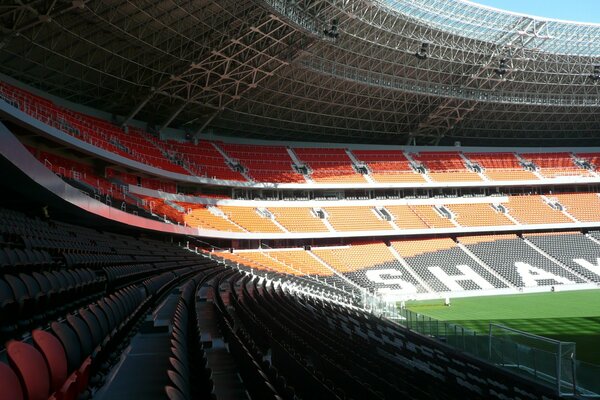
(572,10)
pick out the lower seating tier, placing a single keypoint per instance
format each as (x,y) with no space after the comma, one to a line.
(413,267)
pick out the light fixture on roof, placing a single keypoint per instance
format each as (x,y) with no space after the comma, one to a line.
(421,54)
(502,67)
(595,76)
(333,31)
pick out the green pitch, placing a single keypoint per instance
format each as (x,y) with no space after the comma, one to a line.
(567,316)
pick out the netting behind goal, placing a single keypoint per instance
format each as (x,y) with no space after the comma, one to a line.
(535,356)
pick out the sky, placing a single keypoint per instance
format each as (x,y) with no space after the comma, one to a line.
(571,10)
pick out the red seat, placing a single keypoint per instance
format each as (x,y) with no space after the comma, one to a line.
(31,369)
(66,388)
(9,382)
(173,393)
(83,374)
(54,355)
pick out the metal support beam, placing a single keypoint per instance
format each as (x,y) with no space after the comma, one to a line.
(207,122)
(136,110)
(173,116)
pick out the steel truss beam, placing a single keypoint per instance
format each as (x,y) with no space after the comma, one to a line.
(268,66)
(261,47)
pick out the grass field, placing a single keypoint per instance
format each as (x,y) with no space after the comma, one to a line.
(567,316)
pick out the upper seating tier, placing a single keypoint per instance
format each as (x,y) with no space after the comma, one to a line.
(274,163)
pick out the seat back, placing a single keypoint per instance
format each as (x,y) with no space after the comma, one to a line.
(93,324)
(83,333)
(70,342)
(31,368)
(9,382)
(173,394)
(54,355)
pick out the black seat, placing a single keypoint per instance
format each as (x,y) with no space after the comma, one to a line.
(35,291)
(119,303)
(83,333)
(4,260)
(68,338)
(9,308)
(12,258)
(102,319)
(93,324)
(21,295)
(108,312)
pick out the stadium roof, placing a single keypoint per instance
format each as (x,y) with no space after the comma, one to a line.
(465,18)
(409,71)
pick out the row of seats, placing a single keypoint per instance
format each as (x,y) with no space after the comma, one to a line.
(276,348)
(437,265)
(573,249)
(327,165)
(524,210)
(182,346)
(98,132)
(264,163)
(59,362)
(28,298)
(281,345)
(16,258)
(259,264)
(202,158)
(321,350)
(260,378)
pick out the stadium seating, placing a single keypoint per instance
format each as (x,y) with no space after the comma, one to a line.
(298,219)
(478,214)
(96,131)
(81,172)
(307,264)
(82,292)
(349,345)
(574,250)
(293,283)
(273,164)
(355,219)
(160,207)
(355,262)
(388,166)
(534,210)
(406,218)
(126,276)
(422,255)
(553,165)
(585,207)
(130,179)
(261,261)
(440,265)
(523,209)
(202,159)
(507,253)
(592,158)
(264,163)
(446,167)
(329,165)
(501,166)
(201,217)
(250,219)
(432,217)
